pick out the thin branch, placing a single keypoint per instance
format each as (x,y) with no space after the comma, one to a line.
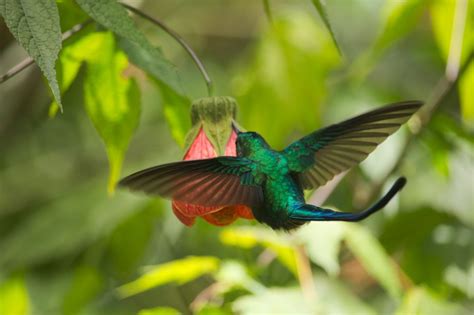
(25,63)
(29,61)
(421,119)
(180,40)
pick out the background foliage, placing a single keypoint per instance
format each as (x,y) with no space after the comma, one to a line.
(124,87)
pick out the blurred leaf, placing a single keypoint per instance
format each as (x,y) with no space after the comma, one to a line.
(130,239)
(374,258)
(334,298)
(86,284)
(442,19)
(323,242)
(175,104)
(466,94)
(420,301)
(63,227)
(234,273)
(290,69)
(321,7)
(114,16)
(35,24)
(180,271)
(176,110)
(248,237)
(400,18)
(14,298)
(70,13)
(112,102)
(273,301)
(160,311)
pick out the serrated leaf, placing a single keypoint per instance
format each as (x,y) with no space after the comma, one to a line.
(14,298)
(373,257)
(320,6)
(35,24)
(175,104)
(114,16)
(112,102)
(180,271)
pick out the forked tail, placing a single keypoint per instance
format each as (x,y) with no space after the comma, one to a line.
(313,213)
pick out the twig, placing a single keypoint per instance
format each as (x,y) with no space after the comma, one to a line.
(305,274)
(25,63)
(421,119)
(180,40)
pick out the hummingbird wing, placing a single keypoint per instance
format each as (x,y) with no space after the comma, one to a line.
(218,181)
(319,156)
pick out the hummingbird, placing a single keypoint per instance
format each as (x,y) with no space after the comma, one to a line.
(272,182)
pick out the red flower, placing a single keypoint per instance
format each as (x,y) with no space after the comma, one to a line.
(202,148)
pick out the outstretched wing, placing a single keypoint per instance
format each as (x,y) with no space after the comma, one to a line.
(321,155)
(219,181)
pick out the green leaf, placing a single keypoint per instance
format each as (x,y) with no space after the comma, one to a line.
(35,24)
(248,237)
(175,104)
(323,243)
(14,298)
(320,5)
(180,271)
(114,16)
(421,301)
(112,102)
(467,95)
(86,284)
(290,70)
(176,110)
(273,301)
(442,20)
(160,311)
(128,242)
(76,221)
(400,18)
(333,297)
(373,257)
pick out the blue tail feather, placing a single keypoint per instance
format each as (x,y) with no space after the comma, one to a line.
(308,212)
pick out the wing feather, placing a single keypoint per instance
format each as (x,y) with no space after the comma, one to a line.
(219,181)
(321,155)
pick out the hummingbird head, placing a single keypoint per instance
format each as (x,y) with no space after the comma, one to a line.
(249,142)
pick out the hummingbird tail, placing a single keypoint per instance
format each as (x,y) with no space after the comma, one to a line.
(308,212)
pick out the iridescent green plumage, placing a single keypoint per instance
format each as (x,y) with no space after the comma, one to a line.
(272,182)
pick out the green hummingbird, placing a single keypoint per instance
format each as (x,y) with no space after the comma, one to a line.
(272,182)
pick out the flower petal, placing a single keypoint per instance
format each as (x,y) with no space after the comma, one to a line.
(244,212)
(191,210)
(201,148)
(188,221)
(223,217)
